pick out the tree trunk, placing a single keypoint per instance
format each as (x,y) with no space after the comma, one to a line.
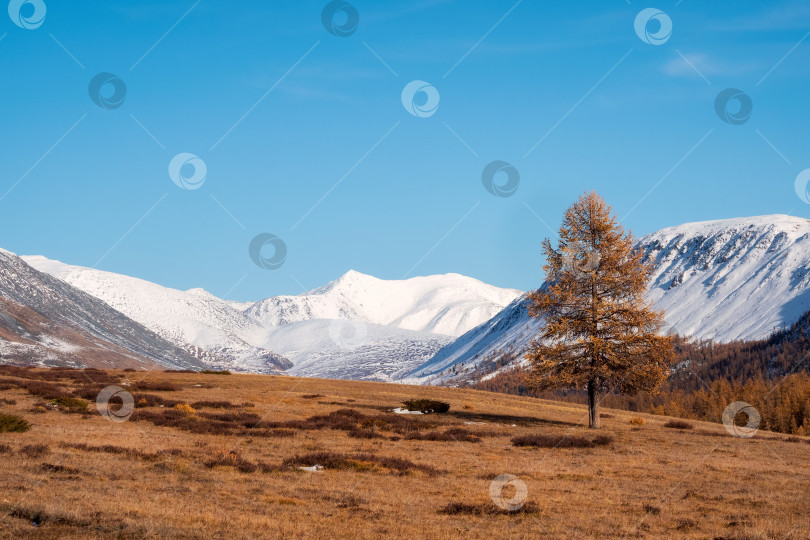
(593,405)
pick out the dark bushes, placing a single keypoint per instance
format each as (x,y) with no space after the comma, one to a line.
(451,434)
(231,458)
(120,450)
(426,405)
(34,450)
(360,433)
(38,388)
(561,441)
(245,423)
(70,403)
(602,440)
(91,375)
(357,462)
(215,405)
(678,424)
(215,372)
(50,468)
(488,509)
(154,386)
(10,423)
(150,400)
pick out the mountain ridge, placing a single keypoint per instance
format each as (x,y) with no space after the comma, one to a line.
(730,279)
(46,321)
(405,319)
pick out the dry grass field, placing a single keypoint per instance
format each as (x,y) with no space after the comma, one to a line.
(221,456)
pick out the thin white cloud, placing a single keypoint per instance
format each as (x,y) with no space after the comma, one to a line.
(693,64)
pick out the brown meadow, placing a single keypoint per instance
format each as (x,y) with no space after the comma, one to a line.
(222,456)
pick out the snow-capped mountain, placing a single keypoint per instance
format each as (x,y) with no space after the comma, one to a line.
(724,280)
(448,304)
(351,349)
(214,330)
(45,321)
(405,321)
(731,279)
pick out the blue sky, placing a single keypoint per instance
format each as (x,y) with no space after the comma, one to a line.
(304,134)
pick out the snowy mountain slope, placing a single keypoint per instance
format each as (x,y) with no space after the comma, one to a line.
(448,304)
(731,279)
(510,330)
(344,349)
(213,330)
(723,280)
(45,321)
(410,319)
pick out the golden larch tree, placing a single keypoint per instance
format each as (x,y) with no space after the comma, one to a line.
(599,332)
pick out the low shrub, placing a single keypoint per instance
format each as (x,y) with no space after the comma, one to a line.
(130,370)
(185,408)
(38,517)
(34,450)
(250,424)
(450,434)
(89,393)
(358,462)
(360,433)
(602,440)
(121,451)
(312,396)
(154,386)
(8,401)
(151,400)
(485,509)
(653,510)
(637,421)
(426,405)
(5,449)
(10,423)
(42,389)
(561,441)
(215,372)
(50,468)
(678,424)
(215,405)
(71,403)
(231,458)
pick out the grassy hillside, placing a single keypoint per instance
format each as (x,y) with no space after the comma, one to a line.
(221,455)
